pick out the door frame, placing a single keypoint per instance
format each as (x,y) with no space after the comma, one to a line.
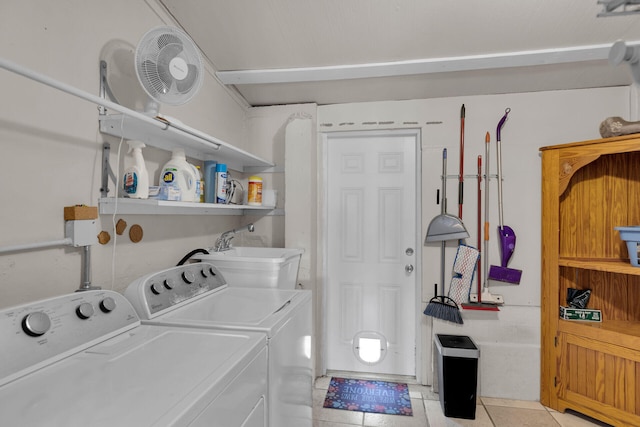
(323,220)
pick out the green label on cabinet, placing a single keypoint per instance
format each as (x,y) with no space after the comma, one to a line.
(588,315)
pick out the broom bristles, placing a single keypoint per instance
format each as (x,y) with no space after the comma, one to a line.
(441,310)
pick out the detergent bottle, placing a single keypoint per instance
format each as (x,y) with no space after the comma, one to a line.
(181,175)
(136,178)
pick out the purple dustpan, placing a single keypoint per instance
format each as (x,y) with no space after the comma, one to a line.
(508,244)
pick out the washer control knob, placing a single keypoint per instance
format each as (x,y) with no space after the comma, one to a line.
(212,271)
(36,324)
(169,283)
(157,288)
(85,310)
(205,273)
(107,305)
(188,277)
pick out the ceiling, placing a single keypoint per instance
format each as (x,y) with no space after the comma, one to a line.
(339,51)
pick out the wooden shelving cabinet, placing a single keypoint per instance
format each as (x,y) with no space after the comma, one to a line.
(588,188)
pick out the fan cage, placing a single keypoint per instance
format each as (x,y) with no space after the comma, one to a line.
(159,46)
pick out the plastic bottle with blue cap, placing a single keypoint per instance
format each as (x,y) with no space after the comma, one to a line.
(221,183)
(135,182)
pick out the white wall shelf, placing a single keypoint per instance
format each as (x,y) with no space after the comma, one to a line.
(165,207)
(167,135)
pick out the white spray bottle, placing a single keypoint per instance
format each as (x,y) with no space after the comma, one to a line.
(136,178)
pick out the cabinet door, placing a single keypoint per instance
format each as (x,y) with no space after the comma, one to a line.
(600,377)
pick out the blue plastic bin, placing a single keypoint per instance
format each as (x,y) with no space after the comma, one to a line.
(631,235)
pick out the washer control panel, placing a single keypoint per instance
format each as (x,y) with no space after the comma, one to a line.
(156,293)
(47,330)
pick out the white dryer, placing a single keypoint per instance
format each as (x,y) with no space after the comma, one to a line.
(196,296)
(84,359)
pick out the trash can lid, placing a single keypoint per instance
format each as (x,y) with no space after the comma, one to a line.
(456,341)
(456,346)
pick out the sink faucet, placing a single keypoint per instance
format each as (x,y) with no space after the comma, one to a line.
(223,242)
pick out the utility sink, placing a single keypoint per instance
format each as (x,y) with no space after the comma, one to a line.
(257,267)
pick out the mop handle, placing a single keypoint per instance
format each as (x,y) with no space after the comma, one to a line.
(501,123)
(461,172)
(487,140)
(443,202)
(498,144)
(479,264)
(443,209)
(443,246)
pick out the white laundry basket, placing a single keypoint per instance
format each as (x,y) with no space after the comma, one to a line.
(257,267)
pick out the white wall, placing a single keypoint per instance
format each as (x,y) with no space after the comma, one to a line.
(509,339)
(51,148)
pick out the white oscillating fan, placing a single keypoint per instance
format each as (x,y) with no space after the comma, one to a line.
(169,67)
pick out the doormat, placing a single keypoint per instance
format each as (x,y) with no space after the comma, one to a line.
(381,397)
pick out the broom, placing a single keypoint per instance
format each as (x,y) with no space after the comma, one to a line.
(443,307)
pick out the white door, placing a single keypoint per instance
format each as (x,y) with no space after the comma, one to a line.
(371,252)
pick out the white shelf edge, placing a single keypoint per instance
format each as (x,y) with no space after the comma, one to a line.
(254,169)
(164,207)
(196,144)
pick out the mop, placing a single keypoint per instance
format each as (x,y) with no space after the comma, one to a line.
(507,237)
(464,267)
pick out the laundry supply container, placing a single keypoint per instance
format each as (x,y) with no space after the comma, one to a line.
(257,267)
(457,365)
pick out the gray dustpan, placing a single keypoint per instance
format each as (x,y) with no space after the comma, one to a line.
(446,227)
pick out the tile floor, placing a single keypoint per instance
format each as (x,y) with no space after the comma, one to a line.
(427,412)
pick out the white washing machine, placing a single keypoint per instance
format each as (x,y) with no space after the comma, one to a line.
(84,359)
(196,296)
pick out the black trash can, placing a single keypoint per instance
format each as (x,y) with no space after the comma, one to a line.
(457,363)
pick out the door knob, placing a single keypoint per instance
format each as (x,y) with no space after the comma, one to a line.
(408,268)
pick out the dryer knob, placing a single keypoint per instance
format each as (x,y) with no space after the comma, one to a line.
(204,273)
(157,288)
(169,283)
(36,324)
(85,310)
(188,277)
(212,271)
(107,305)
